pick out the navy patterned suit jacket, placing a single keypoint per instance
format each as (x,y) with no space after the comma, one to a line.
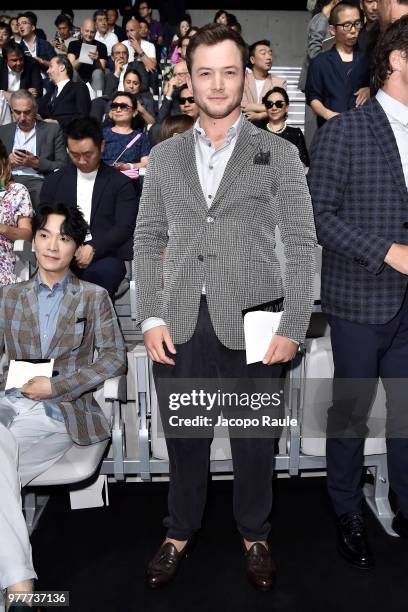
(360,202)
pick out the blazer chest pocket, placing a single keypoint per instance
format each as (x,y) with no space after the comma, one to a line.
(78,333)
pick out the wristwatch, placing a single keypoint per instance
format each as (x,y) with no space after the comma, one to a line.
(140,55)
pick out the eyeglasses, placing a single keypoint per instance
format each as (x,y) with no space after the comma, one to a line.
(189,99)
(348,25)
(120,106)
(278,103)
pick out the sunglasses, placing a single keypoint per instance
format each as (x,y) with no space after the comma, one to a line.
(189,99)
(120,106)
(270,104)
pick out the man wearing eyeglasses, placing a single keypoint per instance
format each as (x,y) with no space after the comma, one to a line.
(339,79)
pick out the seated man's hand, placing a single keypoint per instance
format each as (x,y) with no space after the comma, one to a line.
(33,91)
(27,159)
(84,255)
(362,95)
(37,388)
(280,350)
(154,339)
(93,55)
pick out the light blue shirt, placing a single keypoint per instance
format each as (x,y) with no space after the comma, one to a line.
(49,305)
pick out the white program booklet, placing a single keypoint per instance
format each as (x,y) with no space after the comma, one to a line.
(259,328)
(83,56)
(21,372)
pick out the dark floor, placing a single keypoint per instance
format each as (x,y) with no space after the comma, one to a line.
(99,555)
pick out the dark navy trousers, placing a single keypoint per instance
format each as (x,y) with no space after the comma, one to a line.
(363,351)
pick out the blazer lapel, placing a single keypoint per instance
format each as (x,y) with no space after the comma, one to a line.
(99,188)
(188,165)
(67,312)
(382,130)
(30,314)
(243,151)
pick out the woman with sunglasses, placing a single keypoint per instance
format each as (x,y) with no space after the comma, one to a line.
(276,102)
(125,128)
(15,222)
(187,103)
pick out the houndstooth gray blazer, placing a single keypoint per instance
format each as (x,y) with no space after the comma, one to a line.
(180,244)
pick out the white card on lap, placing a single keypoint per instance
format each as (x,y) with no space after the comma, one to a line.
(84,53)
(259,328)
(21,372)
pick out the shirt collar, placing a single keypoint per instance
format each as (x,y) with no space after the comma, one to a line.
(60,286)
(61,84)
(13,72)
(393,107)
(233,130)
(87,176)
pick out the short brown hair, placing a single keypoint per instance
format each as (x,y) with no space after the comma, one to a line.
(213,34)
(395,38)
(175,124)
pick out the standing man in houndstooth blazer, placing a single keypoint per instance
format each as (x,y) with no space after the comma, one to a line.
(358,180)
(204,251)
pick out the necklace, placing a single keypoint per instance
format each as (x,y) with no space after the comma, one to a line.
(282,129)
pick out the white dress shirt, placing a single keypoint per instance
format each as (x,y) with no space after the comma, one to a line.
(109,40)
(61,85)
(146,46)
(27,141)
(13,80)
(397,114)
(211,164)
(85,187)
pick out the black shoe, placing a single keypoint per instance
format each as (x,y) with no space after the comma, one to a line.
(400,525)
(261,569)
(165,563)
(352,540)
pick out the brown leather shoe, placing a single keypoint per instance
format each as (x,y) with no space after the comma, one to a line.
(164,565)
(261,568)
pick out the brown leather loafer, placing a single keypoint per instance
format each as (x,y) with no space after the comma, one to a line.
(261,568)
(164,565)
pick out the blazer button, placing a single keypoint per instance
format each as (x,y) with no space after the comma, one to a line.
(200,258)
(210,219)
(405,225)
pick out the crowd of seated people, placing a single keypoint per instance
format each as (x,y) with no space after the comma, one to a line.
(144,59)
(77,124)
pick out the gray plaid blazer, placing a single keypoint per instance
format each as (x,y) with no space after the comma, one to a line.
(180,244)
(87,322)
(360,202)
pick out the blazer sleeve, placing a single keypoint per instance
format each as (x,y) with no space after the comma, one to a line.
(48,188)
(110,360)
(316,35)
(327,178)
(111,84)
(34,78)
(297,229)
(314,89)
(59,154)
(125,211)
(149,244)
(83,100)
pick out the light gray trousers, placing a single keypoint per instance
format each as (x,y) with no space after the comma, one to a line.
(30,443)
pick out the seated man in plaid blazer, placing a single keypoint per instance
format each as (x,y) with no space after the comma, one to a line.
(358,180)
(52,316)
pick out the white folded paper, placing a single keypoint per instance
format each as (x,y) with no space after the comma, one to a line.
(259,329)
(21,372)
(84,53)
